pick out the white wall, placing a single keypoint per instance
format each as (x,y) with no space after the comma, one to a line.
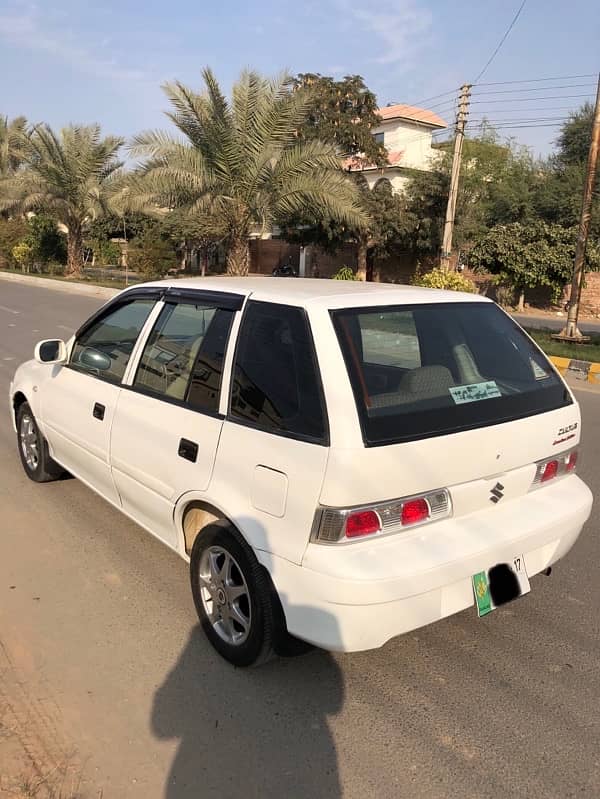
(413,139)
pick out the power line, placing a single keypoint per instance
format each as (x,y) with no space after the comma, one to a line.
(521,110)
(538,89)
(502,40)
(505,122)
(516,127)
(528,99)
(537,80)
(437,96)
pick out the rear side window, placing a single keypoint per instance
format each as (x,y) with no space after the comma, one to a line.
(183,357)
(276,384)
(429,370)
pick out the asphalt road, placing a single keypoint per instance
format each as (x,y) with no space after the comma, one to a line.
(100,645)
(557,323)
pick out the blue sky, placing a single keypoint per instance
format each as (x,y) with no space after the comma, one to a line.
(66,60)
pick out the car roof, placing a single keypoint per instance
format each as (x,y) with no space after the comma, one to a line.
(319,292)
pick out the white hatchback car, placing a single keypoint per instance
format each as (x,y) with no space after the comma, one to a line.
(340,462)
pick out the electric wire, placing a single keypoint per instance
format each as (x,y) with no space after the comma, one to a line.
(502,40)
(536,80)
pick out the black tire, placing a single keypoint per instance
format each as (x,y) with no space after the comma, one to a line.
(256,643)
(37,463)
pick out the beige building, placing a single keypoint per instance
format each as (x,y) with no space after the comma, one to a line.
(406,132)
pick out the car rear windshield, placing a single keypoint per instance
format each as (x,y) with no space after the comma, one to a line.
(427,370)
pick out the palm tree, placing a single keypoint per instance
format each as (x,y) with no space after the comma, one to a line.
(11,133)
(72,176)
(240,166)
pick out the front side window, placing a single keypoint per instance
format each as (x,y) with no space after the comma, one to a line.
(104,348)
(183,357)
(379,137)
(427,370)
(276,384)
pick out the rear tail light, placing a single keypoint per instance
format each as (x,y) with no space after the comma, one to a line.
(364,522)
(550,468)
(549,471)
(414,511)
(334,525)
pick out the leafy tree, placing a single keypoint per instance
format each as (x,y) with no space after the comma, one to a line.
(152,254)
(380,237)
(12,231)
(241,166)
(386,227)
(529,255)
(497,186)
(128,225)
(105,252)
(45,239)
(559,195)
(11,137)
(70,175)
(192,234)
(575,135)
(343,112)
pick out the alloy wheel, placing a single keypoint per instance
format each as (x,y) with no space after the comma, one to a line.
(29,442)
(225,596)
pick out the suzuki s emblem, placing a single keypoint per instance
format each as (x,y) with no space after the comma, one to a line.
(497,493)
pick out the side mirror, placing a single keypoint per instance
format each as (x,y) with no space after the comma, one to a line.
(52,350)
(94,359)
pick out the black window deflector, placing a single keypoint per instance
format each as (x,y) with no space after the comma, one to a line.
(217,299)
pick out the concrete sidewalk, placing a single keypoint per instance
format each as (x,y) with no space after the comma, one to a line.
(82,289)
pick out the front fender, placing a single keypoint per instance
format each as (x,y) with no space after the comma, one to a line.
(27,382)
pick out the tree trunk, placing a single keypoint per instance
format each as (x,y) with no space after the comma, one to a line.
(521,302)
(361,272)
(74,252)
(238,256)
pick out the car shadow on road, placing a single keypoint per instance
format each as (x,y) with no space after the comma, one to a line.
(257,733)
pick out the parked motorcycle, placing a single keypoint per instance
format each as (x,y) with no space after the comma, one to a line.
(284,270)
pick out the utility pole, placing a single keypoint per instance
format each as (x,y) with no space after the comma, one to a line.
(461,119)
(571,331)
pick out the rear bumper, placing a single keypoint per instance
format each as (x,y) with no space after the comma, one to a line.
(359,596)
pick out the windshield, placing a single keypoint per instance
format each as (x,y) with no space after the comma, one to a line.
(426,370)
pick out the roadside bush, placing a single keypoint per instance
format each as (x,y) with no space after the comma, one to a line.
(152,255)
(505,295)
(106,252)
(23,255)
(344,273)
(444,279)
(46,240)
(12,231)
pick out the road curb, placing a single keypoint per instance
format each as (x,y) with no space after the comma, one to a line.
(83,289)
(590,369)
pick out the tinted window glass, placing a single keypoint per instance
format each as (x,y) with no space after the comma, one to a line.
(187,342)
(389,339)
(276,384)
(205,385)
(427,370)
(104,348)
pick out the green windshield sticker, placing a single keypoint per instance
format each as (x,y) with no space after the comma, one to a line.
(475,392)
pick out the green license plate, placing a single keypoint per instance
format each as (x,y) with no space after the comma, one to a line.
(500,584)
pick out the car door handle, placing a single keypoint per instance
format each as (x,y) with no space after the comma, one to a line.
(99,411)
(188,450)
